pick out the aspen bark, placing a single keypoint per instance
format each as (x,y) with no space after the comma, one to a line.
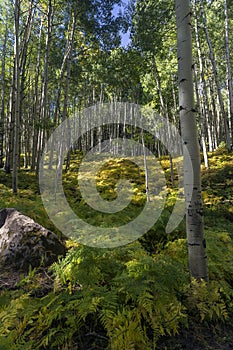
(35,108)
(192,189)
(205,100)
(229,75)
(201,121)
(215,73)
(70,43)
(17,100)
(22,67)
(44,92)
(215,114)
(164,112)
(2,106)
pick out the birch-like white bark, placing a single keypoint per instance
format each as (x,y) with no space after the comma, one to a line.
(2,105)
(192,189)
(229,75)
(16,96)
(215,73)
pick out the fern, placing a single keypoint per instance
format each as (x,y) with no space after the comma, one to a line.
(126,331)
(128,299)
(9,315)
(206,300)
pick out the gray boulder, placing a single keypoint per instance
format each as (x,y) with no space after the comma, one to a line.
(24,243)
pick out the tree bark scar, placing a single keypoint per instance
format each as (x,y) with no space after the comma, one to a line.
(188,14)
(200,212)
(194,244)
(204,243)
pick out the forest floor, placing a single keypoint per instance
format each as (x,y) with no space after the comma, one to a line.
(218,198)
(218,203)
(199,338)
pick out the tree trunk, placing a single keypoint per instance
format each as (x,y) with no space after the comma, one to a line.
(16,93)
(205,101)
(35,108)
(229,75)
(2,107)
(163,111)
(192,188)
(218,87)
(201,120)
(215,114)
(44,92)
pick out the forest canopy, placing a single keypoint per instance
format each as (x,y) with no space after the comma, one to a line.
(59,57)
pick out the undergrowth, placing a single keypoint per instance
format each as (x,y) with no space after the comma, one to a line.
(128,297)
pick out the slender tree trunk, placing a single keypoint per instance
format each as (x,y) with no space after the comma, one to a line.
(164,111)
(10,129)
(218,87)
(201,120)
(145,168)
(17,101)
(2,106)
(229,75)
(174,100)
(22,67)
(35,109)
(215,114)
(44,92)
(192,189)
(202,82)
(70,44)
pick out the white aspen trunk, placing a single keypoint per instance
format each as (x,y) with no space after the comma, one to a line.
(164,112)
(206,106)
(17,99)
(10,131)
(44,92)
(35,104)
(229,75)
(66,57)
(145,168)
(209,131)
(201,121)
(218,87)
(69,56)
(192,190)
(67,82)
(22,68)
(174,100)
(2,106)
(215,114)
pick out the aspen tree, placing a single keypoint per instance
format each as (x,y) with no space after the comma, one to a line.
(2,106)
(35,109)
(229,75)
(44,89)
(204,105)
(216,79)
(16,97)
(192,189)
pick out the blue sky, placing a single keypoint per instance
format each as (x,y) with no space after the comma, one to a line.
(125,37)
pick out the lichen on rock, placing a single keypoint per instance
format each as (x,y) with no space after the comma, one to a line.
(24,243)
